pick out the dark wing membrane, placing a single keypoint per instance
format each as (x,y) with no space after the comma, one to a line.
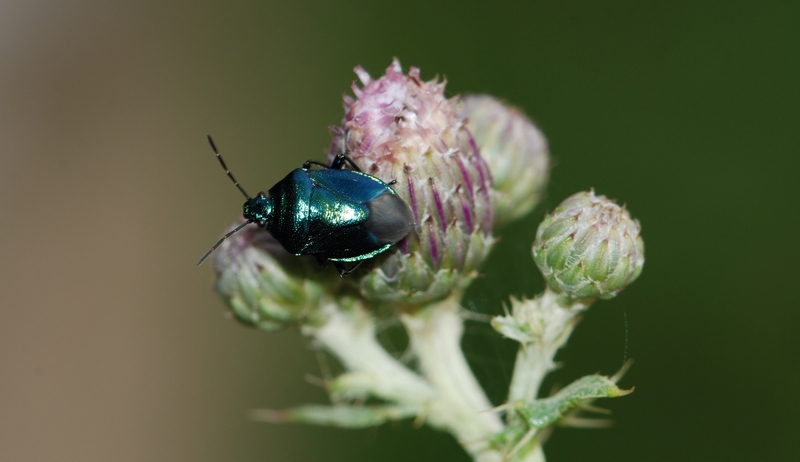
(390,218)
(353,216)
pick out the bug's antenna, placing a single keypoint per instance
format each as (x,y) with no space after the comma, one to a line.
(225,167)
(203,258)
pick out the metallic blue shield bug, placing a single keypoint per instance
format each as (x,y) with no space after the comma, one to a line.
(331,213)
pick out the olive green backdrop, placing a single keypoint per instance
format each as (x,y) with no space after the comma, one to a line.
(114,347)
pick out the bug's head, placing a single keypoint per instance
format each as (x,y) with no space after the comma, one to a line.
(258,209)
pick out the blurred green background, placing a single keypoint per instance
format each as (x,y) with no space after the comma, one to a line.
(114,347)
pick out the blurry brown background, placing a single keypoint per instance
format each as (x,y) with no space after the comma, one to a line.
(113,346)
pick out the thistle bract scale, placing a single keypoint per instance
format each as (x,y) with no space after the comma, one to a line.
(516,151)
(589,247)
(267,287)
(403,129)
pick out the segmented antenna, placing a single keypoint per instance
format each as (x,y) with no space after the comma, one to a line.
(225,167)
(203,258)
(236,183)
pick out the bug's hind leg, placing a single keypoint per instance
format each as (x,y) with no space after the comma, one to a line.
(323,262)
(344,271)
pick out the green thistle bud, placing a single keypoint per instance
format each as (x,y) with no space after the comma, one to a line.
(515,150)
(401,128)
(267,287)
(589,247)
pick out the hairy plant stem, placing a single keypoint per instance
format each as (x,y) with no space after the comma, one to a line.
(349,334)
(552,324)
(460,406)
(446,393)
(535,359)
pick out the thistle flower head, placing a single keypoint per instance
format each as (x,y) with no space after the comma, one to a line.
(515,150)
(267,287)
(403,129)
(589,247)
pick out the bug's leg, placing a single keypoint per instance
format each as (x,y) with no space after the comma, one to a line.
(307,164)
(343,271)
(323,262)
(340,268)
(393,182)
(340,159)
(338,162)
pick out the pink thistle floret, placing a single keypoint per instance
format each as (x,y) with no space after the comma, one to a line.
(401,128)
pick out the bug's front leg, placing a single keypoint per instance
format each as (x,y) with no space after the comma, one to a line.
(307,164)
(339,161)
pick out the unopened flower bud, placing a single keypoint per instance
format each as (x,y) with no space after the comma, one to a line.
(401,129)
(589,247)
(515,150)
(267,287)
